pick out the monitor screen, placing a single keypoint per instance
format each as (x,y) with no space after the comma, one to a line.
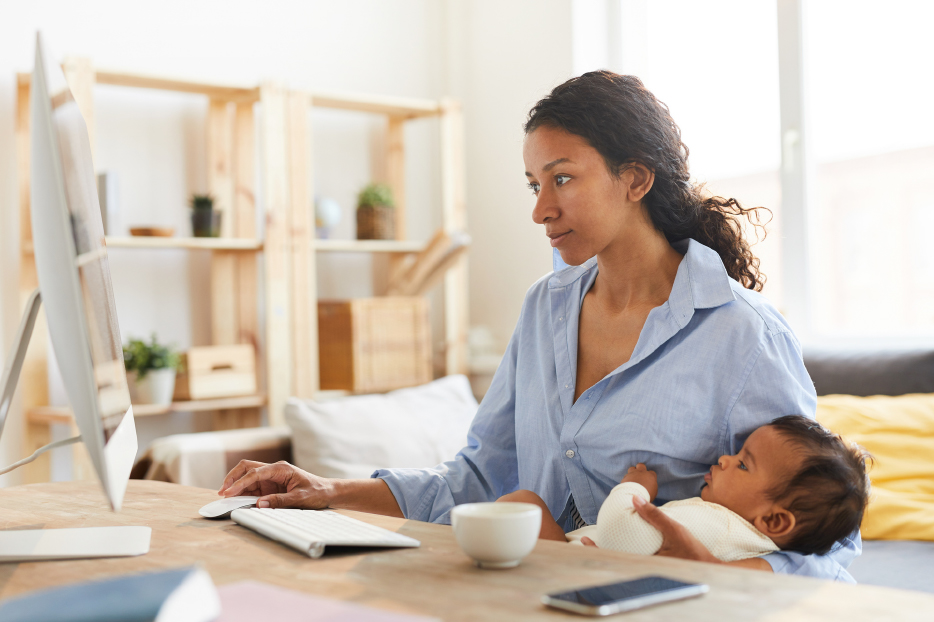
(91,261)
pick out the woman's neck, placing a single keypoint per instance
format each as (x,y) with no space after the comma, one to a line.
(636,271)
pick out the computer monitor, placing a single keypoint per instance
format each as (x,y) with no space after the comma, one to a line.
(74,282)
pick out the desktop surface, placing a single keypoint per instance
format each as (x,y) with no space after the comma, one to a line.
(436,579)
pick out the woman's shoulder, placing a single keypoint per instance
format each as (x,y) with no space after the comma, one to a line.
(756,311)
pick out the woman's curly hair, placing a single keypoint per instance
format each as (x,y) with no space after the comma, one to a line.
(626,124)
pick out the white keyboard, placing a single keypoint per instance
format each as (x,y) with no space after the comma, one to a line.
(310,531)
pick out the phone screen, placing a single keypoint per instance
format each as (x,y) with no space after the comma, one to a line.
(625,590)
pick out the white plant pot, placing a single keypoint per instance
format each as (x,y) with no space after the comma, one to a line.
(156,387)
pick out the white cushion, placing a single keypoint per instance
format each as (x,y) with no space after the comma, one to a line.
(204,458)
(352,437)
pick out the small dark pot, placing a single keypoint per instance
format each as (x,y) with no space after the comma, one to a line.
(206,224)
(376,223)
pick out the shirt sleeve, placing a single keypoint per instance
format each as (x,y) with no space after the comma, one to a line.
(778,384)
(833,565)
(486,469)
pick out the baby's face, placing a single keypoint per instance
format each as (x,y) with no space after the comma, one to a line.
(741,483)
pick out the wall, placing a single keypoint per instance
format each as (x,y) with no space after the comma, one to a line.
(502,58)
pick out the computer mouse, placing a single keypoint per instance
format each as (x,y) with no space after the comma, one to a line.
(223,507)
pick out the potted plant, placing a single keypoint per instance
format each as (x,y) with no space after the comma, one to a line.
(150,371)
(205,220)
(375,215)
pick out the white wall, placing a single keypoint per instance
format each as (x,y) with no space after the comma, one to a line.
(502,58)
(155,140)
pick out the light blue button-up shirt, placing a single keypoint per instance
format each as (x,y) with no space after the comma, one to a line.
(712,364)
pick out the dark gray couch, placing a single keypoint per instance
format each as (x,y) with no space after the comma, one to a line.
(893,563)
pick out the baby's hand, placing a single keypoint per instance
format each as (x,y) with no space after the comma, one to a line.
(640,475)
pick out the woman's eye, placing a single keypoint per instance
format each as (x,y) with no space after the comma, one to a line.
(742,465)
(560,180)
(533,186)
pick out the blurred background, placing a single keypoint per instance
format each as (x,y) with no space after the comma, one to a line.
(819,110)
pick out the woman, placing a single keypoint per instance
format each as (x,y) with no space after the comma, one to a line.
(650,348)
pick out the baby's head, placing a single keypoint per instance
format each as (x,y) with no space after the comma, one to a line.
(796,482)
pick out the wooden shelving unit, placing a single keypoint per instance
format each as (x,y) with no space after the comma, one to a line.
(289,246)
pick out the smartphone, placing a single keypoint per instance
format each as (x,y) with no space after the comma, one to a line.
(604,600)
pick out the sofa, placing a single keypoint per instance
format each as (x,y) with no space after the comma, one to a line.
(202,459)
(906,564)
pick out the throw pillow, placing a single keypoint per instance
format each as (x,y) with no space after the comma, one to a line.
(899,433)
(354,436)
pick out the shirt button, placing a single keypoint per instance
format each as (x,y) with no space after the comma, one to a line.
(560,319)
(569,453)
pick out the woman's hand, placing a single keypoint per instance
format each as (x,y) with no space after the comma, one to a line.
(279,485)
(641,475)
(677,541)
(282,485)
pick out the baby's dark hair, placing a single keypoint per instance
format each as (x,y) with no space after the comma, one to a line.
(830,490)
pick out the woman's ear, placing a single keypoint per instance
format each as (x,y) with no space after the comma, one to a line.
(638,180)
(777,524)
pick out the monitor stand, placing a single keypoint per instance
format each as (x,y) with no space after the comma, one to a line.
(21,545)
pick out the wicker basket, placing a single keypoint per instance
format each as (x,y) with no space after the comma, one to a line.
(376,222)
(370,345)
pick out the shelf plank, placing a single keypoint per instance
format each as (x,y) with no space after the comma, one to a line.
(406,107)
(226,244)
(237,94)
(244,244)
(62,414)
(218,244)
(369,246)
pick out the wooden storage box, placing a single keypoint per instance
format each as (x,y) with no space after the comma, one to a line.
(369,345)
(217,371)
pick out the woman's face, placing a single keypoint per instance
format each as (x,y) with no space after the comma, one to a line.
(584,208)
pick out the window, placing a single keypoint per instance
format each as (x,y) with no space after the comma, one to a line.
(716,67)
(846,254)
(870,105)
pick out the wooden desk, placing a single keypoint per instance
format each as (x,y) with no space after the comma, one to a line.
(436,579)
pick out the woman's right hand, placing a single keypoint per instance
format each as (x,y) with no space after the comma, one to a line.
(279,485)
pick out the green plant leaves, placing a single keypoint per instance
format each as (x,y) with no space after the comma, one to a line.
(141,357)
(202,202)
(375,194)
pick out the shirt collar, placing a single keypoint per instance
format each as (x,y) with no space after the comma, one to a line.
(564,274)
(701,281)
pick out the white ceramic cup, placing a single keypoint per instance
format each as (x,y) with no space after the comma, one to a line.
(496,535)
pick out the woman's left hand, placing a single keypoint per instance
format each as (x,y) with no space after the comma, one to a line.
(677,541)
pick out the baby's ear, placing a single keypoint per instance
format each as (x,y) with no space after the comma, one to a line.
(780,522)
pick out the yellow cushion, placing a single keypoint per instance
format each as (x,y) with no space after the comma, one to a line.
(899,433)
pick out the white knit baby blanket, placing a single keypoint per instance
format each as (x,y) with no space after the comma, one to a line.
(727,535)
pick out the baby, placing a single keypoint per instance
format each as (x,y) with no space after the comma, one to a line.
(793,486)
